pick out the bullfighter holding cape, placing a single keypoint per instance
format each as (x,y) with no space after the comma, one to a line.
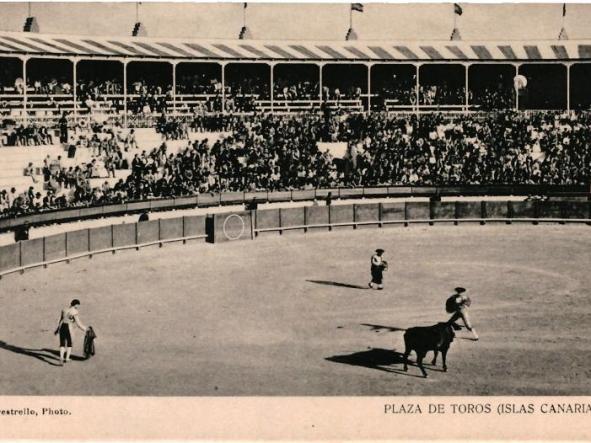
(378,266)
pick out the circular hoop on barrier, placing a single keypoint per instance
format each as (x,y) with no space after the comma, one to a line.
(241,230)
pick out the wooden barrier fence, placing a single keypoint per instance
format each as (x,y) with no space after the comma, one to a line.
(88,242)
(238,198)
(242,225)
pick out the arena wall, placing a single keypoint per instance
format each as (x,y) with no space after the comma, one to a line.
(469,210)
(341,216)
(317,217)
(244,225)
(232,226)
(55,247)
(291,218)
(369,212)
(85,242)
(148,231)
(209,200)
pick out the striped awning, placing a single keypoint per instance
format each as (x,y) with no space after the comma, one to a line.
(21,43)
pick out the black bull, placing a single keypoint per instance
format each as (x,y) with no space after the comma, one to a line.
(424,339)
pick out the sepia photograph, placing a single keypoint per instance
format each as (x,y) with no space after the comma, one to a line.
(271,200)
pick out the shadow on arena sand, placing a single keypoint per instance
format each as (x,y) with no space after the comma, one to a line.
(383,328)
(380,359)
(338,284)
(49,356)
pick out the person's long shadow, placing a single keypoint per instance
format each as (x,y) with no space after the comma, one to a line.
(336,283)
(375,358)
(381,327)
(57,354)
(49,356)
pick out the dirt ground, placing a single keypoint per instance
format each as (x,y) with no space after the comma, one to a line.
(291,315)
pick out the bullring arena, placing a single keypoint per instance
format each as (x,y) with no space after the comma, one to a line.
(291,314)
(214,205)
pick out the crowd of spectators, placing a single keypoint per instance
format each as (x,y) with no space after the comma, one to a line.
(25,135)
(271,152)
(490,98)
(97,88)
(397,94)
(38,85)
(90,93)
(149,98)
(349,92)
(108,148)
(242,93)
(172,128)
(295,90)
(12,202)
(50,85)
(245,94)
(499,148)
(441,94)
(255,85)
(198,84)
(209,105)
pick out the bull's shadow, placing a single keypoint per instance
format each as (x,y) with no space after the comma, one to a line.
(338,284)
(376,358)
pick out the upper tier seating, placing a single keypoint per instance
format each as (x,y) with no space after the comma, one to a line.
(14,160)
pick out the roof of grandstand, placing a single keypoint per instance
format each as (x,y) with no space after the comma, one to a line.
(20,43)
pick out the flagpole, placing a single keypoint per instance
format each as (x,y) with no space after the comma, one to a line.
(563,13)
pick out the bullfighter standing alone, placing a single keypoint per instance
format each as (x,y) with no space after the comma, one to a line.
(378,266)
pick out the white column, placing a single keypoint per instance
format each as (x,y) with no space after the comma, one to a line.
(25,117)
(369,66)
(467,87)
(271,82)
(516,90)
(173,64)
(320,66)
(75,87)
(223,65)
(568,65)
(125,93)
(417,87)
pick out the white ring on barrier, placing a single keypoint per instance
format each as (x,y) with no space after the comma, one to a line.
(241,231)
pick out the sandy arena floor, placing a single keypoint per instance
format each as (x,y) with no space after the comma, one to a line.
(291,315)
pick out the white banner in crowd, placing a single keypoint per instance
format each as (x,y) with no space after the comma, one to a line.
(336,149)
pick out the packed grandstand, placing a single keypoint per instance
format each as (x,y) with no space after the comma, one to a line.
(90,121)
